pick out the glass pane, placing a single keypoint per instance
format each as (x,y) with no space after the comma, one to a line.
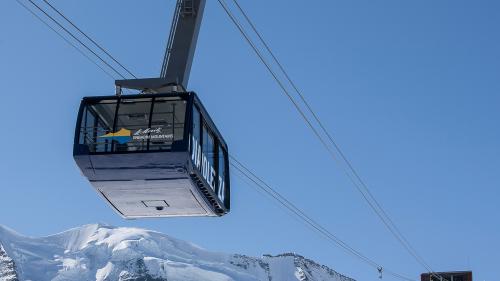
(195,139)
(97,122)
(208,161)
(84,134)
(167,124)
(222,172)
(131,123)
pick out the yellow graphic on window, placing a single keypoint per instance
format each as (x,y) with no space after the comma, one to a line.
(122,136)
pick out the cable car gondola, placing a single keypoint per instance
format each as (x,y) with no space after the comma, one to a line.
(158,153)
(153,155)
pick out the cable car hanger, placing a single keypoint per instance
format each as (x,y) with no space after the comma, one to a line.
(176,67)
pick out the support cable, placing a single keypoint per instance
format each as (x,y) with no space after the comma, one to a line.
(306,219)
(360,184)
(88,37)
(65,39)
(75,38)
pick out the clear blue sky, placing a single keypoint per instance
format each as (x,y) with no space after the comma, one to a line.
(411,90)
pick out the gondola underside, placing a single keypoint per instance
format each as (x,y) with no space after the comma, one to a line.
(153,198)
(148,185)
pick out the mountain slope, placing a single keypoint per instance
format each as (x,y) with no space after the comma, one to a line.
(98,252)
(7,267)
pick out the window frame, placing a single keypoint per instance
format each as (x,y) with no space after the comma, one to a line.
(89,101)
(119,104)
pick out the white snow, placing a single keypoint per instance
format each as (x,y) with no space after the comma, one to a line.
(103,253)
(7,267)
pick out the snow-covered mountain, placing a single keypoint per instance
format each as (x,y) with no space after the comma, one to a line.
(7,267)
(99,252)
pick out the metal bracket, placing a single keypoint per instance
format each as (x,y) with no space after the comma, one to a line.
(149,85)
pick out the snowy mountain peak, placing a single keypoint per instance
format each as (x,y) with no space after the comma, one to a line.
(7,267)
(102,252)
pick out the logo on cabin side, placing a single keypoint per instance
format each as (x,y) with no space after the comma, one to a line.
(122,136)
(155,134)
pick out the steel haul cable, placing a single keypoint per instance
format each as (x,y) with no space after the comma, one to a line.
(88,37)
(351,172)
(302,216)
(65,39)
(75,38)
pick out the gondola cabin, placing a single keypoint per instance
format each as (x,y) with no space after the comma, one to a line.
(153,155)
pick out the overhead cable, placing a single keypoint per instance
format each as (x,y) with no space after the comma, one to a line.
(350,172)
(88,37)
(305,218)
(65,39)
(77,39)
